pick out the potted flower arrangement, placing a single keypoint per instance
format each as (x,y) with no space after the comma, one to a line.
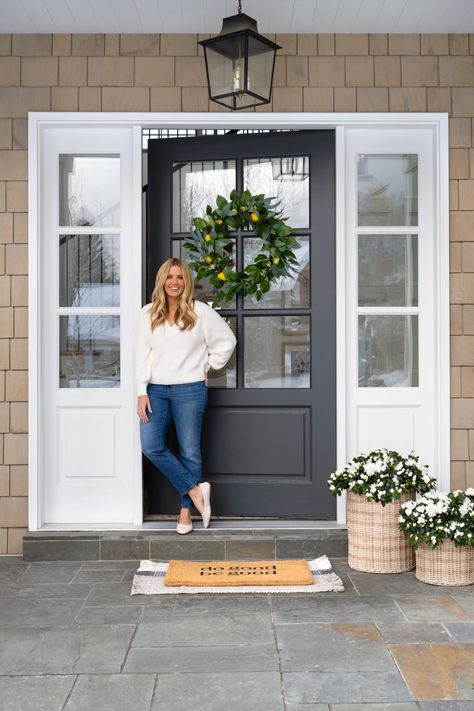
(440,526)
(376,484)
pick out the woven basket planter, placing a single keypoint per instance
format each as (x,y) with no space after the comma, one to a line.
(376,544)
(445,565)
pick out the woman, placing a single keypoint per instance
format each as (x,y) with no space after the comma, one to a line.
(179,339)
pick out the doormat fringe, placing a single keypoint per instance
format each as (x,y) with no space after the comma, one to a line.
(149,580)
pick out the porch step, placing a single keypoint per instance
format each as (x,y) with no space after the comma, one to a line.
(218,543)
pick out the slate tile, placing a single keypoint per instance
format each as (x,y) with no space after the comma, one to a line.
(431,608)
(116,615)
(310,548)
(392,584)
(446,706)
(27,612)
(41,591)
(123,549)
(200,631)
(11,573)
(238,691)
(112,692)
(250,550)
(437,671)
(85,650)
(466,601)
(228,604)
(106,594)
(461,631)
(332,607)
(42,550)
(334,687)
(413,632)
(99,576)
(187,550)
(34,693)
(340,646)
(402,706)
(111,565)
(165,660)
(51,572)
(307,707)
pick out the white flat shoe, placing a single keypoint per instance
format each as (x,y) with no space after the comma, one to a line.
(183,528)
(206,496)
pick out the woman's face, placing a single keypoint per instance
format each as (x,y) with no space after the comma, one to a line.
(174,284)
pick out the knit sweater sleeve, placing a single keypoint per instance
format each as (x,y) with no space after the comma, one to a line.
(143,355)
(220,339)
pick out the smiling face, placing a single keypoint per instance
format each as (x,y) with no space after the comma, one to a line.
(174,284)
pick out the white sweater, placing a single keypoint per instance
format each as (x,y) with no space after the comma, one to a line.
(168,355)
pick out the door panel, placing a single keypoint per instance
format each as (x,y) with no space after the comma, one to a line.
(269,437)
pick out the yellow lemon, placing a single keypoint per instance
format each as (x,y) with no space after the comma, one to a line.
(276,260)
(221,276)
(209,260)
(254,217)
(233,212)
(208,238)
(218,221)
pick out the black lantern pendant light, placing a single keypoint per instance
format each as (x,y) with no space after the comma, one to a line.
(239,63)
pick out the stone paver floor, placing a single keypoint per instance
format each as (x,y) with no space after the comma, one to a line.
(72,638)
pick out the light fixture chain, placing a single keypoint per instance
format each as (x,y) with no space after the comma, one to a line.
(240,7)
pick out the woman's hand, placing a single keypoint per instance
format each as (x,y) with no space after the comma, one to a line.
(143,404)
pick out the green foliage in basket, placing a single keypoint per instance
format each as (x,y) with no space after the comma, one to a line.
(382,476)
(437,517)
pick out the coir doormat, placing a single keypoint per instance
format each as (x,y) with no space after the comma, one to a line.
(238,572)
(150,578)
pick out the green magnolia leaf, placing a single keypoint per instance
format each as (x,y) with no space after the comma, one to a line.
(221,201)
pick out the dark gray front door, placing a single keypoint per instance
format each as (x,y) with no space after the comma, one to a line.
(269,437)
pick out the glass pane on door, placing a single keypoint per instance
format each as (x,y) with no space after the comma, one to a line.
(196,185)
(277,352)
(89,351)
(388,351)
(89,190)
(388,270)
(387,189)
(284,178)
(89,270)
(291,292)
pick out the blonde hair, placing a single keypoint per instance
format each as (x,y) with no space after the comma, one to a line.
(159,306)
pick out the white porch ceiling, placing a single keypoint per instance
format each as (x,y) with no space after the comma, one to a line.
(203,16)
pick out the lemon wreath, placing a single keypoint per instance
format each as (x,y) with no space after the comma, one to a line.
(212,250)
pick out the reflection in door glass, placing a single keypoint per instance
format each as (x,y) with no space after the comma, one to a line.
(89,351)
(387,188)
(388,351)
(287,292)
(203,289)
(225,377)
(277,352)
(89,190)
(89,270)
(285,178)
(388,270)
(196,185)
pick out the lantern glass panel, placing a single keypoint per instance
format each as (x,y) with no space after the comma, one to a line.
(261,59)
(221,72)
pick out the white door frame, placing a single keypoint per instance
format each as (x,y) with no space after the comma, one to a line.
(341,122)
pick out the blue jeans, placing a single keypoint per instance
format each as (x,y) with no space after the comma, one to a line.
(185,403)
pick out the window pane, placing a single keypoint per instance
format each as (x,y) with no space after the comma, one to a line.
(286,179)
(276,352)
(388,270)
(388,351)
(89,351)
(387,189)
(89,190)
(196,185)
(287,292)
(203,289)
(89,270)
(226,377)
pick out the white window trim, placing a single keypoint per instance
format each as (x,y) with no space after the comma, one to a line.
(438,122)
